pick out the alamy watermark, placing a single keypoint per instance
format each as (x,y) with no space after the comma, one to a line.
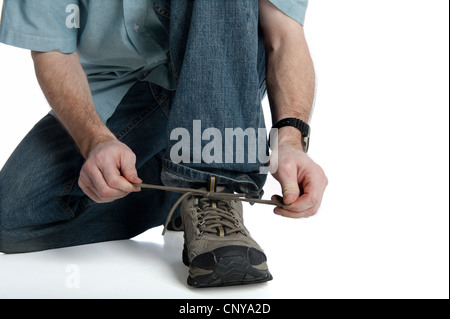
(73,17)
(229,146)
(73,276)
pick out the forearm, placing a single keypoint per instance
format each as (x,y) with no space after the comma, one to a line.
(290,82)
(290,77)
(66,88)
(290,72)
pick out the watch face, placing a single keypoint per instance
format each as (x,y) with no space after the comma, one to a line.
(306,138)
(306,129)
(306,144)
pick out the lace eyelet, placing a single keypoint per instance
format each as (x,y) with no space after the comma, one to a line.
(201,224)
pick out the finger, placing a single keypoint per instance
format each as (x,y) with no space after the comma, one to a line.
(103,190)
(290,214)
(303,203)
(116,181)
(299,206)
(92,195)
(277,198)
(308,204)
(114,172)
(128,168)
(287,176)
(86,186)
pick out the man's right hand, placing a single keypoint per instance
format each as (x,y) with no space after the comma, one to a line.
(110,169)
(109,172)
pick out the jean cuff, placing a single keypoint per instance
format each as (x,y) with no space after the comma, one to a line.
(183,176)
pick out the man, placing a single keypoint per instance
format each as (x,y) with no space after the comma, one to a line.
(125,80)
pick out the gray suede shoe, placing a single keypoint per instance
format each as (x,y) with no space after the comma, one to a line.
(218,248)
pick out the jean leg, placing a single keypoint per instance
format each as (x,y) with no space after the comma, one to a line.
(35,182)
(41,204)
(219,61)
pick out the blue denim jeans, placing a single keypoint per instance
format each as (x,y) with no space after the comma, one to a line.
(218,59)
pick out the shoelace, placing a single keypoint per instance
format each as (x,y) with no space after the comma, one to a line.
(214,213)
(216,217)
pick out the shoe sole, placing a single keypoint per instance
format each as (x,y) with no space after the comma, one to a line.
(227,266)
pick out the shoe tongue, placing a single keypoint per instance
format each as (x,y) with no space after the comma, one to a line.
(213,188)
(212,184)
(219,189)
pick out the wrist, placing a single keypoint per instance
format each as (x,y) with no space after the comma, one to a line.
(290,135)
(294,132)
(93,140)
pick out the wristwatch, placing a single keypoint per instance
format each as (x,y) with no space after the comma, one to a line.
(303,127)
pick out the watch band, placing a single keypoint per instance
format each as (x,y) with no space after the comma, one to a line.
(303,127)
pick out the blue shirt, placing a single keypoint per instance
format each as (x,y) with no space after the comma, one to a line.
(139,51)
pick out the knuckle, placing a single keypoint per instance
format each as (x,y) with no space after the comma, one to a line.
(126,151)
(286,169)
(114,182)
(290,165)
(98,158)
(105,192)
(89,167)
(128,170)
(314,201)
(322,174)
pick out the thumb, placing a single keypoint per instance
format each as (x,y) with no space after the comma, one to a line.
(132,176)
(290,188)
(128,169)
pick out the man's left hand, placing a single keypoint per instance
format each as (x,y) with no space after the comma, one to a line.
(303,182)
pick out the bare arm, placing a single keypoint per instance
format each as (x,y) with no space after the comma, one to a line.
(290,70)
(291,89)
(67,90)
(109,166)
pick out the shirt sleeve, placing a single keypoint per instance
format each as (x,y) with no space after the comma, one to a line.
(40,25)
(296,9)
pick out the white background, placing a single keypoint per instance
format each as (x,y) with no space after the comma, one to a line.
(380,131)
